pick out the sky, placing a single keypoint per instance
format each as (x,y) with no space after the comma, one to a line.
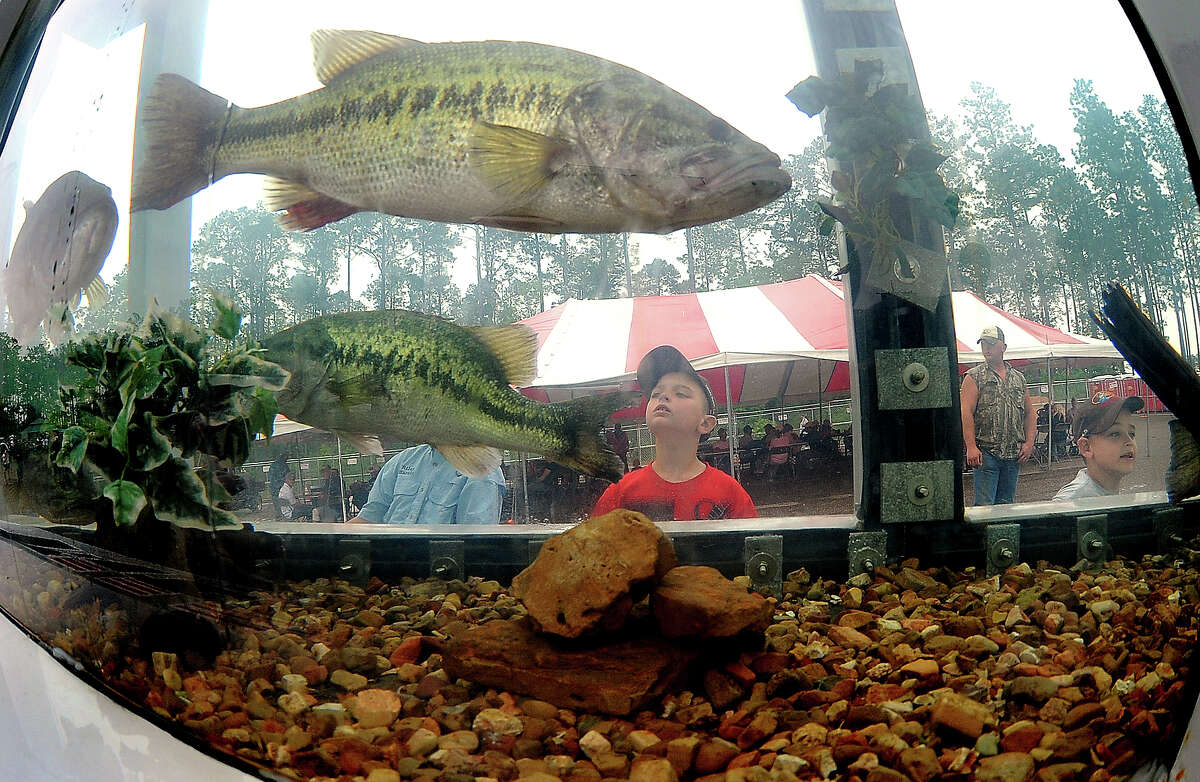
(738,60)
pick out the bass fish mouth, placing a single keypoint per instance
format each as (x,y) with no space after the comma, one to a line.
(758,172)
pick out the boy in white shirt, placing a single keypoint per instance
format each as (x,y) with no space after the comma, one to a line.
(1105,430)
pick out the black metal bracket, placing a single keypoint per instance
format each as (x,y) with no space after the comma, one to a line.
(447,559)
(1003,547)
(763,558)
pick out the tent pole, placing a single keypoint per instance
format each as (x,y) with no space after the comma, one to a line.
(820,388)
(341,483)
(525,486)
(729,417)
(1049,417)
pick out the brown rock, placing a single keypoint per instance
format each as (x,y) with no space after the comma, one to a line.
(652,770)
(699,601)
(856,619)
(408,651)
(885,774)
(920,764)
(763,725)
(846,636)
(1074,744)
(721,688)
(866,714)
(1021,737)
(939,645)
(1037,689)
(1005,767)
(588,578)
(614,678)
(923,668)
(1083,714)
(959,714)
(714,755)
(682,753)
(1061,772)
(962,626)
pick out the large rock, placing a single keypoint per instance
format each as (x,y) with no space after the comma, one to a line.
(588,578)
(616,678)
(700,602)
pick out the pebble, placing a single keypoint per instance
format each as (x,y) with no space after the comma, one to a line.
(494,723)
(348,681)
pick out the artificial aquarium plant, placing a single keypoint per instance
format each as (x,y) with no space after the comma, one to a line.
(162,404)
(878,136)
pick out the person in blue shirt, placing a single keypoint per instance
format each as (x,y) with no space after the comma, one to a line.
(418,486)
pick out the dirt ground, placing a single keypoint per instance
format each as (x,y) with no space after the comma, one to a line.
(830,489)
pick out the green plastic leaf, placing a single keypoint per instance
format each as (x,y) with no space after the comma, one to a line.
(120,428)
(228,320)
(262,415)
(810,95)
(866,73)
(73,449)
(923,157)
(841,181)
(128,499)
(152,448)
(826,227)
(181,497)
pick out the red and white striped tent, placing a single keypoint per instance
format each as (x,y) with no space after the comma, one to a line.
(783,341)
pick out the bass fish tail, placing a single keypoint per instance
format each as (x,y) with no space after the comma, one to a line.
(589,452)
(183,124)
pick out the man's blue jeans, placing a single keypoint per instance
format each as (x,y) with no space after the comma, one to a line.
(995,480)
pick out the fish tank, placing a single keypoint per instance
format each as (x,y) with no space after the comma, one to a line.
(653,392)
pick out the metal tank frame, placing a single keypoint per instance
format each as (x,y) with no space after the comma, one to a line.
(902,510)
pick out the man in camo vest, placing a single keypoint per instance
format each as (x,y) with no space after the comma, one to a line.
(998,422)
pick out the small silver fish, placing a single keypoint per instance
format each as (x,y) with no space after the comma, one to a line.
(59,250)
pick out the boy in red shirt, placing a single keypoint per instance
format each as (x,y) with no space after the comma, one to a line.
(677,485)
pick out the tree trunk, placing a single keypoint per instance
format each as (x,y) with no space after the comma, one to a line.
(691,266)
(628,270)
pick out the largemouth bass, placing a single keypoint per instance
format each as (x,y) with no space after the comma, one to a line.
(60,248)
(506,134)
(420,378)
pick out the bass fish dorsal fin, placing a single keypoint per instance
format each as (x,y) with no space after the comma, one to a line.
(516,347)
(473,461)
(512,161)
(336,51)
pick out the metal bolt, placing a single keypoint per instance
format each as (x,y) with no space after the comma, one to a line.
(921,492)
(763,568)
(916,377)
(1006,553)
(347,567)
(1096,545)
(868,565)
(441,570)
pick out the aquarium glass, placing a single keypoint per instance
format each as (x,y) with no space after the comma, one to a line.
(258,257)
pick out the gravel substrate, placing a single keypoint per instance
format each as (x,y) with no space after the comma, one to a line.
(907,674)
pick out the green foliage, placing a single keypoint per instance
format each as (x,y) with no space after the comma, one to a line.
(877,134)
(157,400)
